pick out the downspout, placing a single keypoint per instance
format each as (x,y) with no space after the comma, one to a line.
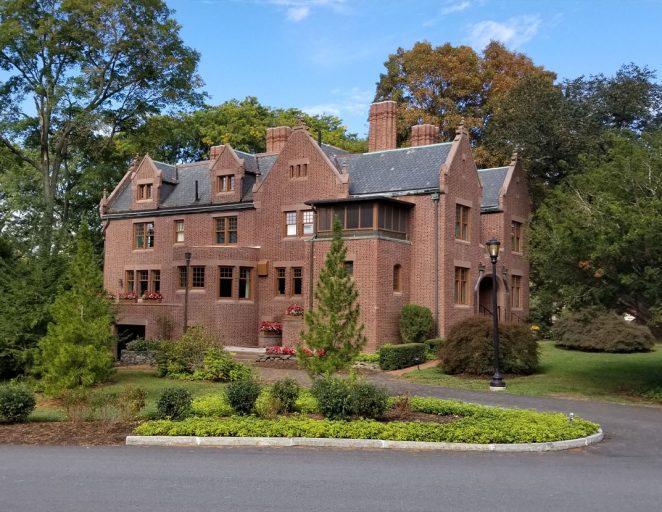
(311,262)
(435,201)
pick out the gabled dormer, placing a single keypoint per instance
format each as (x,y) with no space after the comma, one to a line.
(226,175)
(146,184)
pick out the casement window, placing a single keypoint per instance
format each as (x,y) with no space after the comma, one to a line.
(516,236)
(225,279)
(299,171)
(155,280)
(143,281)
(349,268)
(461,285)
(143,235)
(145,192)
(281,281)
(181,277)
(297,281)
(130,281)
(396,278)
(461,222)
(516,292)
(308,219)
(197,277)
(225,183)
(290,223)
(179,231)
(226,230)
(245,278)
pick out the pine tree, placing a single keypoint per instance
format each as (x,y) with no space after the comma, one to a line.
(334,334)
(76,350)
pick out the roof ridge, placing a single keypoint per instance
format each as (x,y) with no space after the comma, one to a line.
(493,168)
(193,164)
(404,149)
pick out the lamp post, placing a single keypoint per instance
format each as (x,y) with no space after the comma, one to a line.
(497,383)
(187,257)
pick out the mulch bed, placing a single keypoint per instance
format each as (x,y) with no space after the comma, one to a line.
(67,433)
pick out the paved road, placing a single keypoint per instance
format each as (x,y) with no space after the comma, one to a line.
(624,473)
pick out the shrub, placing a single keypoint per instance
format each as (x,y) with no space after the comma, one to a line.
(187,354)
(76,404)
(174,404)
(285,392)
(415,323)
(306,403)
(368,400)
(16,403)
(394,357)
(333,398)
(242,394)
(141,345)
(219,366)
(434,345)
(130,401)
(211,406)
(469,348)
(601,331)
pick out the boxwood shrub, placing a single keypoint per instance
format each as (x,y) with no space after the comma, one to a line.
(415,323)
(469,348)
(174,404)
(601,331)
(394,357)
(242,394)
(16,403)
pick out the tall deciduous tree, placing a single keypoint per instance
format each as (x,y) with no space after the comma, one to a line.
(76,350)
(334,330)
(84,67)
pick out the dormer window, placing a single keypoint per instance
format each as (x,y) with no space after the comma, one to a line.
(225,183)
(145,192)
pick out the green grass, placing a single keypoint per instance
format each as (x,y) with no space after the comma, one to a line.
(570,373)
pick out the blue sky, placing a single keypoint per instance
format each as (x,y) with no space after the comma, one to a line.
(325,56)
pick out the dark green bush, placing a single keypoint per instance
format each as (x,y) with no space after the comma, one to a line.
(242,394)
(187,354)
(286,392)
(333,398)
(174,404)
(415,323)
(16,403)
(368,400)
(394,357)
(434,345)
(469,348)
(601,331)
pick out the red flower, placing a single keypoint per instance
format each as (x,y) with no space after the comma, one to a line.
(271,327)
(294,310)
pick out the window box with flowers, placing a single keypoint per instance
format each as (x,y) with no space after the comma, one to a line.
(271,334)
(127,297)
(295,310)
(152,297)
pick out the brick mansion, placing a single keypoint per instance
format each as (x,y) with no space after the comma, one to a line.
(235,240)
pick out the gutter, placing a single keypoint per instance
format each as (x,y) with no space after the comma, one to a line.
(178,211)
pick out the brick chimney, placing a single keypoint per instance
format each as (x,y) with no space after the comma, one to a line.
(424,134)
(383,128)
(214,151)
(277,137)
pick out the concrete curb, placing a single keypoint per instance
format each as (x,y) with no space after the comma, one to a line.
(280,442)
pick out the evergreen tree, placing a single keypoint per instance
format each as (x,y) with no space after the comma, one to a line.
(76,350)
(334,334)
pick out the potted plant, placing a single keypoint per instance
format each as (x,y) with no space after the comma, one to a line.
(127,296)
(152,296)
(294,310)
(271,334)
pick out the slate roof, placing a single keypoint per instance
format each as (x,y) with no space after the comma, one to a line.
(168,172)
(395,170)
(492,181)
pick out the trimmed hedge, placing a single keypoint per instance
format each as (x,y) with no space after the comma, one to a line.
(242,394)
(415,323)
(394,357)
(474,424)
(469,348)
(434,345)
(593,330)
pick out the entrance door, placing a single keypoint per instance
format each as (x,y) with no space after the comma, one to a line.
(485,297)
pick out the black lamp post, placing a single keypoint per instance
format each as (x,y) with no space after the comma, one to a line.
(187,257)
(497,383)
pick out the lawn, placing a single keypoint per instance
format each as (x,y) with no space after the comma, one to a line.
(568,373)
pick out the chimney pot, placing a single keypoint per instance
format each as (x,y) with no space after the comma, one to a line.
(424,134)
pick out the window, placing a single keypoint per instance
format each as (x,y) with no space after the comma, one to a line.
(179,231)
(349,268)
(516,292)
(298,171)
(245,282)
(145,192)
(143,281)
(461,285)
(392,218)
(143,235)
(130,281)
(156,280)
(226,275)
(280,281)
(308,222)
(197,277)
(355,216)
(516,236)
(396,278)
(225,183)
(181,277)
(291,223)
(461,222)
(297,281)
(226,230)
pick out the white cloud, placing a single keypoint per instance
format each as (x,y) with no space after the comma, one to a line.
(298,10)
(513,32)
(453,6)
(346,103)
(298,13)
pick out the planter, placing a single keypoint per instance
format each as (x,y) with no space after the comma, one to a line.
(292,327)
(152,301)
(269,340)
